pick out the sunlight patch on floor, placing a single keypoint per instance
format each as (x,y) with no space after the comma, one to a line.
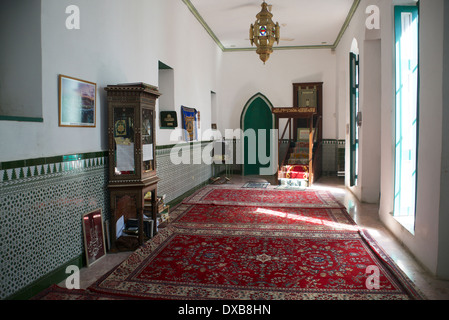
(293,217)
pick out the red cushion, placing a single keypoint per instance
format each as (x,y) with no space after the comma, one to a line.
(297,172)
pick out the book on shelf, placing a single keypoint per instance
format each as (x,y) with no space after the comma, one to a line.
(161,207)
(131,228)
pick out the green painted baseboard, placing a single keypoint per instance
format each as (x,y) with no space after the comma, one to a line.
(46,281)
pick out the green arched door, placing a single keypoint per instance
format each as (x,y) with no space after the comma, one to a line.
(257,122)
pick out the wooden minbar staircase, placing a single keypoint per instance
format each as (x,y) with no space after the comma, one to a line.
(300,161)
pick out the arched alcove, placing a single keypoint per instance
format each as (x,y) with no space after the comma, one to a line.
(257,122)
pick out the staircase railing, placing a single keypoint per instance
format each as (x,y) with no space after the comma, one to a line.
(316,152)
(283,158)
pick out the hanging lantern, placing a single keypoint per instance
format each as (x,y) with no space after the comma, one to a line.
(263,33)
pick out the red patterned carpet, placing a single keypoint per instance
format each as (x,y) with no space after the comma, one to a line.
(226,264)
(228,243)
(267,197)
(261,218)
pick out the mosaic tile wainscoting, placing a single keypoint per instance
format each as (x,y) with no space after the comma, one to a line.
(41,206)
(178,179)
(42,202)
(333,157)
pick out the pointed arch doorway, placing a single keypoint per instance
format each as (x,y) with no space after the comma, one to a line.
(257,122)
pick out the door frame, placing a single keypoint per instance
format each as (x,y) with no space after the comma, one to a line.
(242,126)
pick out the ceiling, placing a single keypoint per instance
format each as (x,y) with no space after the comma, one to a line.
(304,23)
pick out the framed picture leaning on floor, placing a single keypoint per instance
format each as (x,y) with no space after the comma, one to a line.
(94,238)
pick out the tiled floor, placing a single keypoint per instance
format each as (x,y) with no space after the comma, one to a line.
(365,215)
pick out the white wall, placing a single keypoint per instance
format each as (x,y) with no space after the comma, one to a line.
(20,38)
(166,85)
(118,42)
(185,46)
(443,223)
(370,149)
(430,131)
(244,75)
(425,242)
(369,49)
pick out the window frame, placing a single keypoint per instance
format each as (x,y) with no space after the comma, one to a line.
(354,96)
(407,220)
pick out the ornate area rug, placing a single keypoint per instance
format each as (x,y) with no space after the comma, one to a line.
(238,196)
(260,218)
(201,264)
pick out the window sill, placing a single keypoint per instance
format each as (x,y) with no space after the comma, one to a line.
(408,222)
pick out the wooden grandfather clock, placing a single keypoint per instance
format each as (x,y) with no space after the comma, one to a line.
(132,164)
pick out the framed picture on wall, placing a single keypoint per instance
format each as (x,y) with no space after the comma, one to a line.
(77,102)
(169,120)
(94,237)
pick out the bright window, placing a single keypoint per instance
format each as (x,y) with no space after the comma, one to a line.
(406,114)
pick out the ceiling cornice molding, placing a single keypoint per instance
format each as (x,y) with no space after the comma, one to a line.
(200,19)
(348,20)
(203,23)
(282,48)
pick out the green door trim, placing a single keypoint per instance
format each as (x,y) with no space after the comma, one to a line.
(354,75)
(242,120)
